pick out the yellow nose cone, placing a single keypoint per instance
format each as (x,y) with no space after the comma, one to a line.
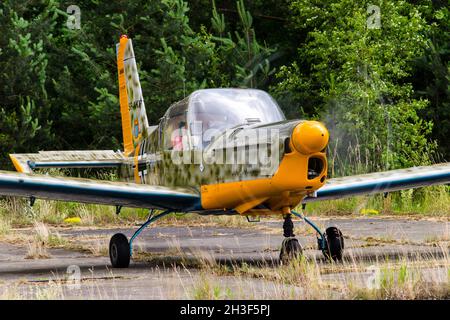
(310,137)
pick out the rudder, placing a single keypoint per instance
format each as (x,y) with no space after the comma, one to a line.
(132,108)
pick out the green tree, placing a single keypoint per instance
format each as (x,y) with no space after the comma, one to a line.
(24,108)
(431,75)
(352,74)
(188,60)
(58,87)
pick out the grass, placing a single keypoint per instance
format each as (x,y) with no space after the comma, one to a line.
(206,288)
(5,225)
(429,201)
(51,291)
(37,250)
(421,276)
(97,248)
(42,239)
(310,279)
(17,213)
(304,278)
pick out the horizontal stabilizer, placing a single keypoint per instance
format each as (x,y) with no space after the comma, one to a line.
(27,162)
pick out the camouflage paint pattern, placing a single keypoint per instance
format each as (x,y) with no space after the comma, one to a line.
(139,122)
(157,166)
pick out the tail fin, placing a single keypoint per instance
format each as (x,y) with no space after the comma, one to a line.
(132,108)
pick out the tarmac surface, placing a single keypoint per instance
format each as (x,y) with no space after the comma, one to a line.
(167,259)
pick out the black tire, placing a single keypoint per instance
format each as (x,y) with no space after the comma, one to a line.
(119,251)
(335,244)
(290,249)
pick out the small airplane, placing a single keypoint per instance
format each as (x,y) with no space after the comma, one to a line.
(216,152)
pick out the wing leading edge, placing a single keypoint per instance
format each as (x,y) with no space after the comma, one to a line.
(381,182)
(98,192)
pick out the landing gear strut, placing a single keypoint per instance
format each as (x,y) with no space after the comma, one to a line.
(331,243)
(121,250)
(290,248)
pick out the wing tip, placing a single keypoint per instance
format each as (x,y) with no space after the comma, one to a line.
(17,164)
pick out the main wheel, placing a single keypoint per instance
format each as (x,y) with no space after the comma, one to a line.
(119,251)
(335,244)
(290,249)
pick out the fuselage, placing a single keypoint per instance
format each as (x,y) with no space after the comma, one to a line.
(256,166)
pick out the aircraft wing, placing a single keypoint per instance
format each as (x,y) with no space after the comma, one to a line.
(97,192)
(382,182)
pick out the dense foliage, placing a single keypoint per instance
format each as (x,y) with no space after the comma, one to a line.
(384,92)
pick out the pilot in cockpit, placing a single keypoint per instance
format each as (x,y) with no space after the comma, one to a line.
(178,135)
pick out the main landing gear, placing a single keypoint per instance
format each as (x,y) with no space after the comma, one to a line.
(121,250)
(331,243)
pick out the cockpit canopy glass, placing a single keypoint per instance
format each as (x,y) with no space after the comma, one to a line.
(220,109)
(194,121)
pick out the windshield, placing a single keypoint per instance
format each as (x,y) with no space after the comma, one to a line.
(175,135)
(212,111)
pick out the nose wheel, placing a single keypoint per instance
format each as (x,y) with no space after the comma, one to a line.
(290,248)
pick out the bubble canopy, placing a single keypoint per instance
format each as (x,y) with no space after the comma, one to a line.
(227,108)
(215,110)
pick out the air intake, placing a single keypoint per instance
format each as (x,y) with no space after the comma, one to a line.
(315,167)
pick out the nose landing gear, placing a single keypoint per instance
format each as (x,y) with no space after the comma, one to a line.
(290,248)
